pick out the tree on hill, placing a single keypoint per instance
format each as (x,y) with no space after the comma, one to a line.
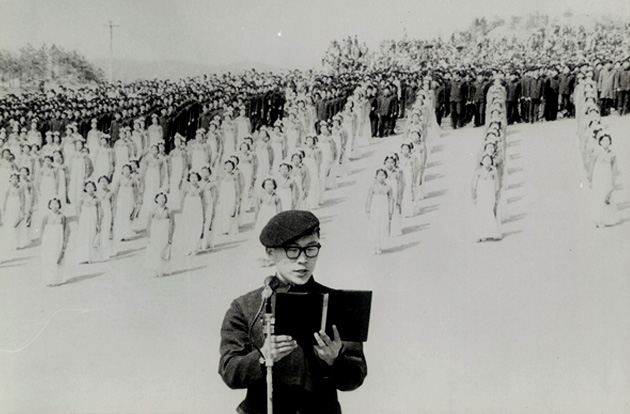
(32,66)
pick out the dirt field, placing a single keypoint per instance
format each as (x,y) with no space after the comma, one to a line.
(538,322)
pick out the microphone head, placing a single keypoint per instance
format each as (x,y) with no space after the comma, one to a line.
(271,283)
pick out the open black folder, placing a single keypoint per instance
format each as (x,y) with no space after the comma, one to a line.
(300,315)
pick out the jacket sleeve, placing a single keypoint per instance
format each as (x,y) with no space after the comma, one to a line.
(239,365)
(350,368)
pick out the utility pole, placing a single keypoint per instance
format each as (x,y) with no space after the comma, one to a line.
(111,50)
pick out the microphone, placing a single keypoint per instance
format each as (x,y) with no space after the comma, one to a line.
(271,283)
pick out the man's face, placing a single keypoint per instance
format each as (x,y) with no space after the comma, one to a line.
(295,271)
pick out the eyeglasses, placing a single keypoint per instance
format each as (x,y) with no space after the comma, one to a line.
(293,252)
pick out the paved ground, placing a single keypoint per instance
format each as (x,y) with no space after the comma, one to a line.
(535,323)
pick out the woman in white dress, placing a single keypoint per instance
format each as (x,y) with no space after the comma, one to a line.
(247,167)
(200,153)
(604,167)
(103,159)
(485,189)
(93,139)
(153,173)
(243,125)
(267,205)
(330,158)
(214,140)
(161,227)
(55,234)
(7,167)
(409,169)
(364,131)
(278,145)
(209,187)
(28,232)
(350,124)
(155,132)
(228,130)
(420,153)
(379,206)
(312,162)
(178,160)
(340,137)
(139,140)
(67,144)
(396,182)
(13,217)
(80,170)
(126,193)
(106,197)
(63,177)
(90,217)
(264,157)
(123,153)
(193,215)
(302,178)
(287,188)
(48,184)
(293,132)
(227,204)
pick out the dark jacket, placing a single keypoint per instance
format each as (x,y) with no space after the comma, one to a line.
(301,382)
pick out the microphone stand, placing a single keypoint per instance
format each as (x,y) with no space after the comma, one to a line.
(268,328)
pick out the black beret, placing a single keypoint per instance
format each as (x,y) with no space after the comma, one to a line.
(288,226)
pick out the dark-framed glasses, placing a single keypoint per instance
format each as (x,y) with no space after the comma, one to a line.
(293,252)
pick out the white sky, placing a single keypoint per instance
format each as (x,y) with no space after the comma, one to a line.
(284,33)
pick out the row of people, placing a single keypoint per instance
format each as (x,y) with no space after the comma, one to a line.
(489,174)
(599,160)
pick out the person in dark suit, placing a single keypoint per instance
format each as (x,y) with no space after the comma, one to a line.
(512,98)
(306,377)
(565,90)
(456,100)
(551,93)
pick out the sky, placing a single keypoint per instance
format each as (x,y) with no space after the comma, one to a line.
(282,33)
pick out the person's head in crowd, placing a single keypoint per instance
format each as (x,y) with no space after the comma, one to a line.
(297,158)
(381,175)
(269,185)
(103,182)
(104,140)
(194,178)
(605,140)
(229,166)
(206,172)
(58,157)
(487,161)
(285,169)
(390,162)
(79,145)
(25,173)
(89,187)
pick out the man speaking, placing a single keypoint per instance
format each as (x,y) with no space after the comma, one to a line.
(305,377)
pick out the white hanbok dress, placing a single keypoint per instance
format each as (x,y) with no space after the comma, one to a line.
(157,258)
(88,239)
(379,218)
(486,224)
(53,273)
(605,211)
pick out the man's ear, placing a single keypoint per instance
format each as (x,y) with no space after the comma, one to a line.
(270,253)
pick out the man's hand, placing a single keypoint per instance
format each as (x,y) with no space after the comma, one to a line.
(281,346)
(327,349)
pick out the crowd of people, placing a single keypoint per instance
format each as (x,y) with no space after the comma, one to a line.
(185,157)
